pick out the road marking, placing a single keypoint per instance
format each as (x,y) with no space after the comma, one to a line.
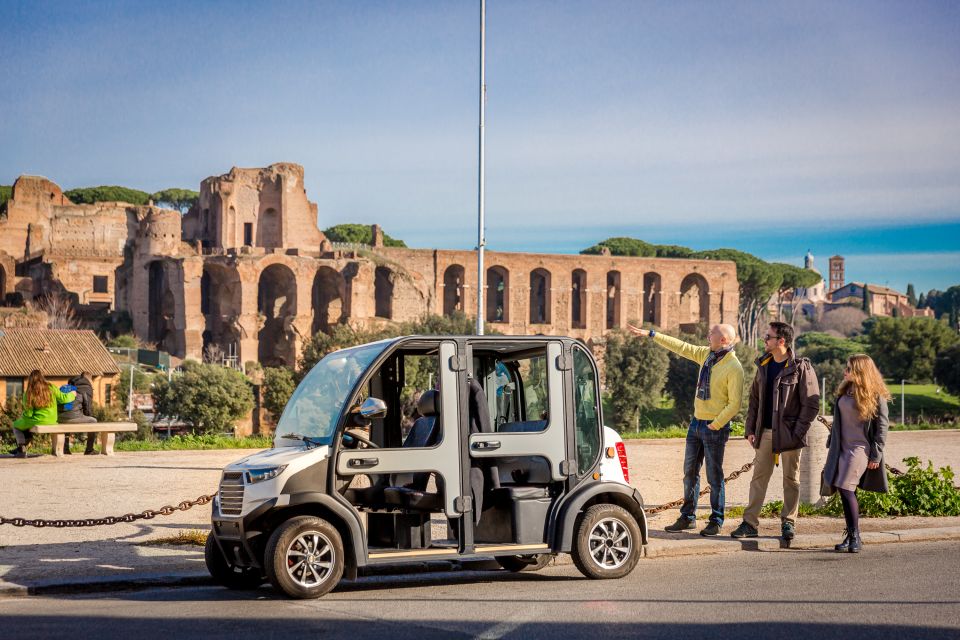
(498,631)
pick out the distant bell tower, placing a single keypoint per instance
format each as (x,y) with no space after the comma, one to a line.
(836,273)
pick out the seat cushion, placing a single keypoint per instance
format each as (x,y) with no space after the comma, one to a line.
(412,499)
(525,492)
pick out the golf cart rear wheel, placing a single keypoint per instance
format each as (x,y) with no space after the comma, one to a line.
(517,564)
(304,557)
(226,575)
(607,543)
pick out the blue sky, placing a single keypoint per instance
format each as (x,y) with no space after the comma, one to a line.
(766,126)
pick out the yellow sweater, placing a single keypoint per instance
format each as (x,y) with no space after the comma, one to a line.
(726,381)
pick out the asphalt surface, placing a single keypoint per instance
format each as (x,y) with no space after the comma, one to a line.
(888,591)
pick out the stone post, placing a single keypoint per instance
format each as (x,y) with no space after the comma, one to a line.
(812,461)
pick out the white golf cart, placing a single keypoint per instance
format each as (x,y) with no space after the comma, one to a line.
(431,448)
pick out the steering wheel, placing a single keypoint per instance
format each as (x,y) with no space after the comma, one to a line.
(364,440)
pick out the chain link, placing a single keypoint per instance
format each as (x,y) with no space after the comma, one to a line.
(676,503)
(147,514)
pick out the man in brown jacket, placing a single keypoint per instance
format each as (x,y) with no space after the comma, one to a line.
(784,401)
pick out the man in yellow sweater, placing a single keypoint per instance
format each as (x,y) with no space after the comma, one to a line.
(718,396)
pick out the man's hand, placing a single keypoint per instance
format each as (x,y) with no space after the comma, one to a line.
(637,331)
(873,465)
(713,426)
(751,438)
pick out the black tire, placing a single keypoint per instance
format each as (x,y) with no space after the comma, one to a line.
(607,542)
(225,574)
(318,543)
(517,564)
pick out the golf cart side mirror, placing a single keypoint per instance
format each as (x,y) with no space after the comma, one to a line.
(373,408)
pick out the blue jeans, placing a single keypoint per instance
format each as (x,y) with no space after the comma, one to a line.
(704,444)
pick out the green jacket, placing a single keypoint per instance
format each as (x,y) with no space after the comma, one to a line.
(43,415)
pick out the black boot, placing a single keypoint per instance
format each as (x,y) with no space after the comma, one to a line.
(845,545)
(855,542)
(19,452)
(66,445)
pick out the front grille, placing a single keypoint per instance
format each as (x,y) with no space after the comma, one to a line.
(231,494)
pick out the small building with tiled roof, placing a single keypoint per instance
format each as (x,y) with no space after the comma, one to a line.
(883,301)
(60,355)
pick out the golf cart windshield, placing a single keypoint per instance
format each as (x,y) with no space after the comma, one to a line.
(315,406)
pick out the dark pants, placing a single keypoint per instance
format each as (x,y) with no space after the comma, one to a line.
(704,444)
(78,419)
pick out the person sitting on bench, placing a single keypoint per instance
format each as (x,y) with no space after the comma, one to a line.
(40,400)
(80,411)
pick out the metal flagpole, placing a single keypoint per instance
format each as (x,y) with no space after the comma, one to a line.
(481,241)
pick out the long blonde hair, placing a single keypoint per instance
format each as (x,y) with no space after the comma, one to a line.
(38,391)
(866,385)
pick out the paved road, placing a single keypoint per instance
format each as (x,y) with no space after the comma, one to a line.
(887,592)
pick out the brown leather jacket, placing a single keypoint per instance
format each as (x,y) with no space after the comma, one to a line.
(796,403)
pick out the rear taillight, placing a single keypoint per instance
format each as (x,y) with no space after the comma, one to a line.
(622,454)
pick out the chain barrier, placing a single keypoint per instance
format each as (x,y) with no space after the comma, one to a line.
(147,514)
(167,510)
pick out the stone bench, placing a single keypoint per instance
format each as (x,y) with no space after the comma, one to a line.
(107,431)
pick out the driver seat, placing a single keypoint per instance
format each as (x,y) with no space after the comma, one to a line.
(409,490)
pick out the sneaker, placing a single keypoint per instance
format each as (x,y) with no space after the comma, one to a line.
(787,531)
(712,529)
(681,525)
(744,531)
(19,452)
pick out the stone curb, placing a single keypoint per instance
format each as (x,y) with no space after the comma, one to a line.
(683,545)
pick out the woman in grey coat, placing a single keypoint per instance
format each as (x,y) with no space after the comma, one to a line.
(856,442)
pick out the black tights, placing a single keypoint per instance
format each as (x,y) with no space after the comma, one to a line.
(851,509)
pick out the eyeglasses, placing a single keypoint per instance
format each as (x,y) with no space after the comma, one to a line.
(765,338)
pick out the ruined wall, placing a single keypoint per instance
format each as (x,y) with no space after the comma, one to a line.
(255,207)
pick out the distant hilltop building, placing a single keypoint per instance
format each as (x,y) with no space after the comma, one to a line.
(808,301)
(836,273)
(882,301)
(248,275)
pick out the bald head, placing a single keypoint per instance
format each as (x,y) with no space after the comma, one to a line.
(722,336)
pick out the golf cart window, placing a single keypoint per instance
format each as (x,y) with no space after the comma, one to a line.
(519,401)
(587,416)
(316,404)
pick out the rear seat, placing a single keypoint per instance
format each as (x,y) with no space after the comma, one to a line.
(524,477)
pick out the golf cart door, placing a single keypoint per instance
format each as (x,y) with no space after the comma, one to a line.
(441,457)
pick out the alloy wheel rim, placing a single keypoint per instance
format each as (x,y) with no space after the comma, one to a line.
(610,543)
(310,559)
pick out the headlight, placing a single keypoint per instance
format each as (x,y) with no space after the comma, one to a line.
(267,473)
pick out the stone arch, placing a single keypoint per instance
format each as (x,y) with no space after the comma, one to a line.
(161,307)
(453,278)
(221,303)
(277,308)
(652,298)
(327,299)
(540,296)
(614,296)
(694,302)
(578,299)
(383,281)
(498,294)
(269,230)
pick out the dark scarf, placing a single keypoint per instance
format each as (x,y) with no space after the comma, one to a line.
(703,382)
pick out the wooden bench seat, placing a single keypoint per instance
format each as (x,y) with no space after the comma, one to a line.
(107,431)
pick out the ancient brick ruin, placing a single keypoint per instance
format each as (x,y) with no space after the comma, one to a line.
(248,275)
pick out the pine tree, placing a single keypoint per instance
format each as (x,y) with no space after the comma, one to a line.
(866,300)
(911,295)
(922,302)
